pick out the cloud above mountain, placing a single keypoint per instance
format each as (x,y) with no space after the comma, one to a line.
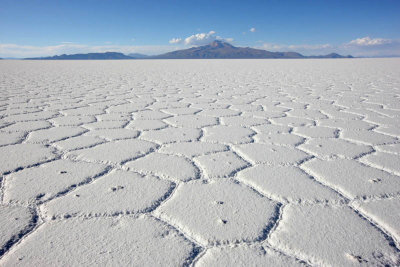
(199,39)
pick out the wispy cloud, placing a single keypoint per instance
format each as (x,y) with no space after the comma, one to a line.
(22,51)
(175,41)
(367,41)
(252,29)
(366,46)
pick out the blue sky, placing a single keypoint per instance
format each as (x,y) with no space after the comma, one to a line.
(38,28)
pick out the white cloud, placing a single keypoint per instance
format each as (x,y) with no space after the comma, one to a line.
(252,29)
(22,51)
(200,38)
(175,41)
(367,41)
(361,47)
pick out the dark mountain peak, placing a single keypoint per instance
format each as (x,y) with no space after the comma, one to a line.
(219,44)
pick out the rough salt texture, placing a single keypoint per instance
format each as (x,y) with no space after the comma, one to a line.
(116,193)
(200,162)
(213,213)
(103,241)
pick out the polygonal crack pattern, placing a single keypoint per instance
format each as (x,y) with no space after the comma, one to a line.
(217,163)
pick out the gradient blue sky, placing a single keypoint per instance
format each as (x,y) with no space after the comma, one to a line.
(36,28)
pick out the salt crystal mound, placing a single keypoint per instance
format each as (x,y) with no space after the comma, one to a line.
(103,241)
(240,160)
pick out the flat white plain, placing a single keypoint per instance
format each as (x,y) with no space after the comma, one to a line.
(200,162)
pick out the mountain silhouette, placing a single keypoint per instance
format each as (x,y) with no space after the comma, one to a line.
(214,50)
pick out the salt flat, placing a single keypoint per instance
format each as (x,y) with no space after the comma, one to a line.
(200,162)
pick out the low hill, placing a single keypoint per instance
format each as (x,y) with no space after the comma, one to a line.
(91,56)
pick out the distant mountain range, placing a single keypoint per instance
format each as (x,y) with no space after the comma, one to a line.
(214,50)
(91,56)
(138,56)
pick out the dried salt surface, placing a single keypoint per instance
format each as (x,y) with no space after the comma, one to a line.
(354,179)
(192,121)
(316,132)
(385,161)
(172,135)
(79,142)
(26,126)
(228,134)
(105,125)
(377,210)
(72,120)
(167,166)
(114,134)
(145,125)
(115,152)
(192,162)
(14,221)
(54,134)
(335,148)
(11,138)
(271,154)
(223,164)
(286,183)
(279,139)
(243,256)
(119,192)
(47,180)
(23,155)
(192,149)
(212,213)
(116,241)
(344,239)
